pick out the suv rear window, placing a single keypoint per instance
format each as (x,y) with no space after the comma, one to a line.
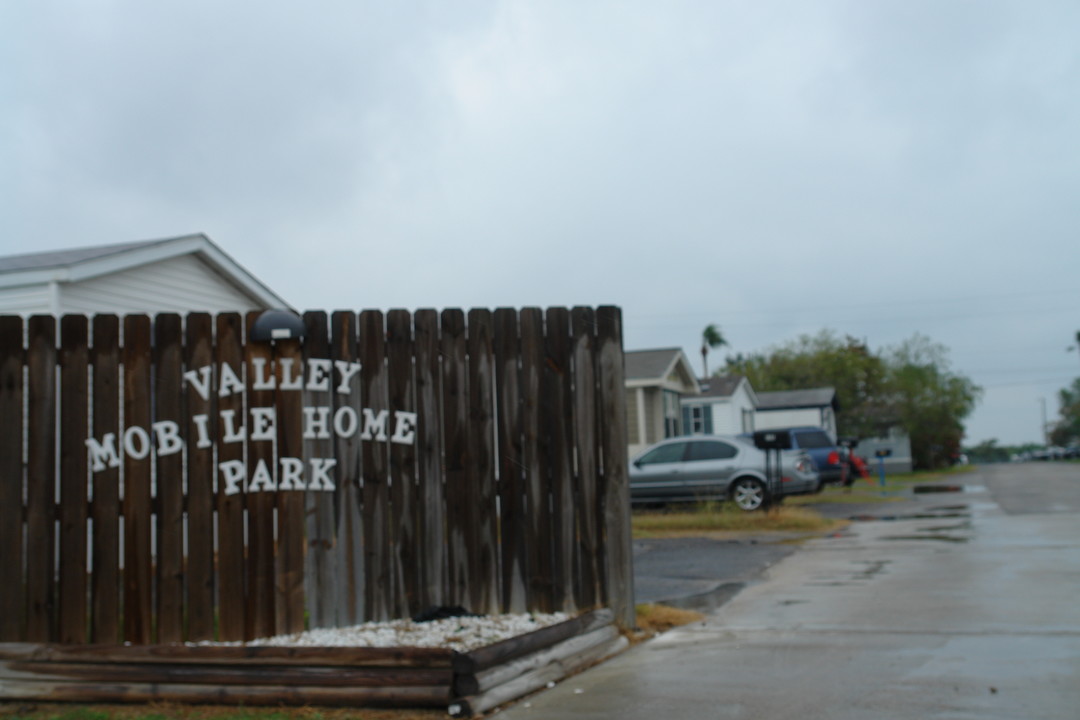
(814,440)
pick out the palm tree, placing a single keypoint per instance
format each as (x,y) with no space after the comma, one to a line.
(710,338)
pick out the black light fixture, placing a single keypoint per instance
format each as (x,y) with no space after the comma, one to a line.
(277,325)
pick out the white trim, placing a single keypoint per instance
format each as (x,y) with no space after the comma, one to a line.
(643,435)
(54,297)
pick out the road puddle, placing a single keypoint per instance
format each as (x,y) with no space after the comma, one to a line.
(931,537)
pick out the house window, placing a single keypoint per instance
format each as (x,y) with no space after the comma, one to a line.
(671,414)
(697,420)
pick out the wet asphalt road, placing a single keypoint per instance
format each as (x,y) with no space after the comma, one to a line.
(700,573)
(704,573)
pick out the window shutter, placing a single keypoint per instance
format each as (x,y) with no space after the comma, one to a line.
(687,426)
(706,410)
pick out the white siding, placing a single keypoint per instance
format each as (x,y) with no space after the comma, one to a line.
(722,422)
(769,419)
(25,300)
(728,415)
(180,284)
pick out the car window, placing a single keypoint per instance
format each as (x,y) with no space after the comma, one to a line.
(814,440)
(711,451)
(672,452)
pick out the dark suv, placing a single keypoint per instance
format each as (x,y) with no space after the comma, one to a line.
(822,449)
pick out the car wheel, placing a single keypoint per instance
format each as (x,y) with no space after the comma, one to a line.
(748,493)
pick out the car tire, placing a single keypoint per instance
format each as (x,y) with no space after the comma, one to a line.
(749,494)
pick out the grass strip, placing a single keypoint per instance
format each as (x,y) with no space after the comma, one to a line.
(709,517)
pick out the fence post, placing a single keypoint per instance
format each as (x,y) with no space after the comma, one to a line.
(618,551)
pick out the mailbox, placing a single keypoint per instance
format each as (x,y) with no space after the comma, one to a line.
(772,439)
(883,452)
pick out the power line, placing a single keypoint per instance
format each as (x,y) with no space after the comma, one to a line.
(889,304)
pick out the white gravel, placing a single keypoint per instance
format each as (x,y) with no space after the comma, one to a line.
(458,633)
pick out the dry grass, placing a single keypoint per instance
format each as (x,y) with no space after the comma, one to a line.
(706,518)
(869,490)
(653,619)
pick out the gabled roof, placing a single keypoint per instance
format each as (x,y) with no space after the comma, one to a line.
(795,399)
(720,386)
(66,258)
(75,264)
(652,367)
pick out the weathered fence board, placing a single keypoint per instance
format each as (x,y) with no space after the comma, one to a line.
(482,523)
(261,489)
(455,424)
(558,423)
(200,422)
(137,490)
(231,571)
(74,343)
(586,432)
(289,567)
(351,604)
(537,481)
(378,557)
(511,461)
(385,464)
(105,515)
(615,493)
(404,530)
(169,474)
(40,474)
(430,570)
(12,605)
(322,582)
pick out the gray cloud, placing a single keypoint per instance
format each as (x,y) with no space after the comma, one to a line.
(876,168)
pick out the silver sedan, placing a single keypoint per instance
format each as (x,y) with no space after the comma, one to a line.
(717,467)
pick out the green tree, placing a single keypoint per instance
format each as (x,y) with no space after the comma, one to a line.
(930,401)
(711,338)
(1067,430)
(910,386)
(826,360)
(988,451)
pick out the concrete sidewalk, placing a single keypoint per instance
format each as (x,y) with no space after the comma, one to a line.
(968,616)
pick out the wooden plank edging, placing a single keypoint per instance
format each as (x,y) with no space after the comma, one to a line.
(228,654)
(465,683)
(67,691)
(501,652)
(485,680)
(538,678)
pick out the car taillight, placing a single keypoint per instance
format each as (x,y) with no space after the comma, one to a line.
(834,458)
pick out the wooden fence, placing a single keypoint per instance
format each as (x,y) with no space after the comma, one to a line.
(166,480)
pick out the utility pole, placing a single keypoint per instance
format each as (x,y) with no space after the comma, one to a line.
(1046,437)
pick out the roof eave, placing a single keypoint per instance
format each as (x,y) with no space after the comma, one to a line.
(197,244)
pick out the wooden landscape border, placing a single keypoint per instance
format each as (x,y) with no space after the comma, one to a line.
(466,684)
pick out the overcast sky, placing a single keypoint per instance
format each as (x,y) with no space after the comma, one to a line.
(879,169)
